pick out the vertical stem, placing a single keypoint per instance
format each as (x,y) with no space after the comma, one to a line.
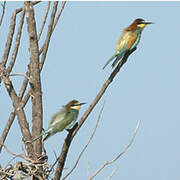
(35,76)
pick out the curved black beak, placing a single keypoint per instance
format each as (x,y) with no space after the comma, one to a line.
(148,23)
(82,104)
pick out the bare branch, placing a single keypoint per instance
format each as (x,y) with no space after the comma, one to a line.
(24,170)
(45,46)
(71,135)
(20,113)
(88,173)
(3,63)
(8,43)
(20,74)
(6,129)
(92,135)
(54,25)
(20,9)
(35,75)
(25,83)
(13,154)
(18,37)
(3,12)
(119,155)
(59,14)
(49,33)
(44,20)
(112,174)
(10,37)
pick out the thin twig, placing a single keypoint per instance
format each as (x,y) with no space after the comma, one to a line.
(20,74)
(17,74)
(44,20)
(49,33)
(12,153)
(20,9)
(54,25)
(92,135)
(59,14)
(3,12)
(17,43)
(113,172)
(88,173)
(52,167)
(8,42)
(119,155)
(6,129)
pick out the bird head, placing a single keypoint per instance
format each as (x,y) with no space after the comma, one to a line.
(139,24)
(74,104)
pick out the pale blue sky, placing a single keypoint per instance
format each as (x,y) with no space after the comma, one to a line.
(146,88)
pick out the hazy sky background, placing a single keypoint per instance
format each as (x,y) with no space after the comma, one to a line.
(146,88)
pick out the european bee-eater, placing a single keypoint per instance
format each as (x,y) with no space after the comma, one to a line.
(65,119)
(129,39)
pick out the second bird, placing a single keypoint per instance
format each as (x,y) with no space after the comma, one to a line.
(128,40)
(65,119)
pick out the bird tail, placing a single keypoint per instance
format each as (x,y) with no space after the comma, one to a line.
(115,62)
(109,60)
(47,136)
(121,54)
(37,137)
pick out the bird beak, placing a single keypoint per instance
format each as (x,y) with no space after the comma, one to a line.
(82,104)
(148,23)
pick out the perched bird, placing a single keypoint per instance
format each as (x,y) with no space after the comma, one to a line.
(129,39)
(65,119)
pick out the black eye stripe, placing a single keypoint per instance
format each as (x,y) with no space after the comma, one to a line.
(140,21)
(75,105)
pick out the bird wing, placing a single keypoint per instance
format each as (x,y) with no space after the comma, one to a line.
(62,120)
(72,120)
(122,43)
(57,118)
(37,137)
(109,60)
(132,39)
(126,41)
(118,50)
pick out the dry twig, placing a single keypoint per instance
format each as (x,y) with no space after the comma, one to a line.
(113,172)
(17,43)
(3,12)
(59,14)
(23,170)
(44,20)
(119,155)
